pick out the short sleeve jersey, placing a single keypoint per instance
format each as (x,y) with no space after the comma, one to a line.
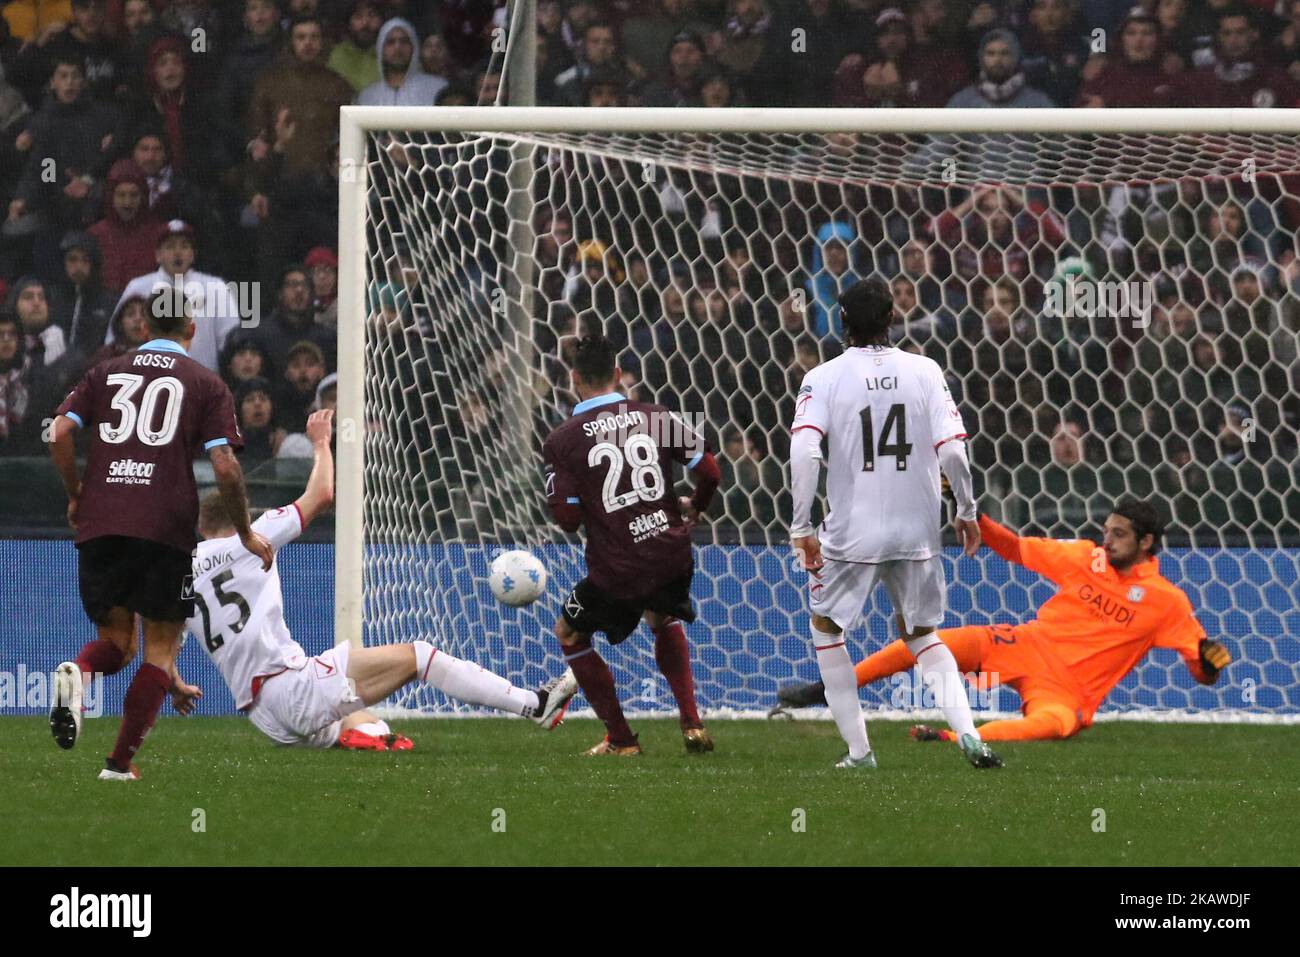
(150,412)
(615,459)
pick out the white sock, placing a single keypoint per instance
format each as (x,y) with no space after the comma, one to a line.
(467,682)
(423,652)
(376,728)
(939,673)
(841,690)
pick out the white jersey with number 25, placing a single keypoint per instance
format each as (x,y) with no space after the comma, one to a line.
(238,609)
(884,413)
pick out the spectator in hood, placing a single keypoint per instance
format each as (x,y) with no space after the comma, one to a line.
(1001,82)
(176,106)
(353,57)
(244,358)
(255,408)
(216,309)
(43,341)
(80,304)
(130,328)
(297,102)
(404,82)
(128,233)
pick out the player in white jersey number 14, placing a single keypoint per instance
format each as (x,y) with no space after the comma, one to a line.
(320,701)
(890,425)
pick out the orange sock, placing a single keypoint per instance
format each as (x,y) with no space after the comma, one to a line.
(889,660)
(1048,722)
(964,643)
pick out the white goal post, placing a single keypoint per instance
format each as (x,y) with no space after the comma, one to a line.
(952,153)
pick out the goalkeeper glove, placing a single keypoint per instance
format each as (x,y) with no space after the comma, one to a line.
(1214,657)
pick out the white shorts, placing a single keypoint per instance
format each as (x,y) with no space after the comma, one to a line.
(305,707)
(917,589)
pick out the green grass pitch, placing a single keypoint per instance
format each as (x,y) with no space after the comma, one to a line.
(502,792)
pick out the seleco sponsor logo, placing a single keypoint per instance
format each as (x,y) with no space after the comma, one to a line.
(645,526)
(130,472)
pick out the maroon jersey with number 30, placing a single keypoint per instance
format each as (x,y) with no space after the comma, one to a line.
(149,412)
(614,460)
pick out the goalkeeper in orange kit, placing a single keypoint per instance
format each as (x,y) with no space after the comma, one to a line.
(1113,607)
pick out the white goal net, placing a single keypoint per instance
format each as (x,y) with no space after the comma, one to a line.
(1117,314)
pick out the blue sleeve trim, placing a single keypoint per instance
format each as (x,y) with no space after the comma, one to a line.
(571,500)
(76,418)
(695,461)
(209,446)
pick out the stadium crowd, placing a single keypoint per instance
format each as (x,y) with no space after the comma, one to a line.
(196,141)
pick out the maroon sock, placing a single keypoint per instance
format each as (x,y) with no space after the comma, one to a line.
(143,700)
(673,656)
(597,684)
(100,657)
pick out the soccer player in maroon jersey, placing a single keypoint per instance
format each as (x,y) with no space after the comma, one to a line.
(609,469)
(135,510)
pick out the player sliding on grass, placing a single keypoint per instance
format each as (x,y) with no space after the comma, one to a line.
(1112,608)
(890,426)
(610,468)
(319,702)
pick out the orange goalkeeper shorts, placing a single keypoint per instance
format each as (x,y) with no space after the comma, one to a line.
(1014,657)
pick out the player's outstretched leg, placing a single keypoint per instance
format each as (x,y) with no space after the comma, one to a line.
(377,672)
(673,656)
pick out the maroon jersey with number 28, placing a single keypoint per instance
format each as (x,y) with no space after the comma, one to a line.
(614,460)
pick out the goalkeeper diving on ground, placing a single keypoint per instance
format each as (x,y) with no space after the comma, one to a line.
(1112,607)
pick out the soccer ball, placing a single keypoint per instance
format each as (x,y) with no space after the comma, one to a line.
(517,577)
